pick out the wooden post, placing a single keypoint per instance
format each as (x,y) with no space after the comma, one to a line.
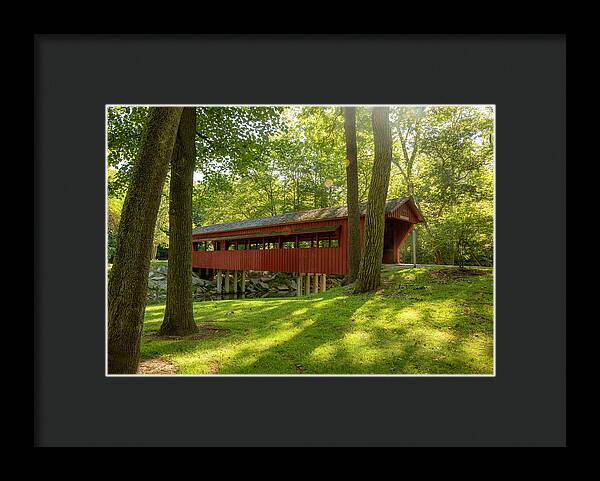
(226,282)
(219,279)
(235,276)
(243,282)
(299,284)
(323,282)
(316,283)
(307,287)
(414,247)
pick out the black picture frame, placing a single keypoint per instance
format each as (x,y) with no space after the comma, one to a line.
(76,76)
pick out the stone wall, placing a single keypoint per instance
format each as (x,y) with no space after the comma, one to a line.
(257,283)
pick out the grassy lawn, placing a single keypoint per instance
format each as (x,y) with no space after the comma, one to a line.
(153,264)
(424,321)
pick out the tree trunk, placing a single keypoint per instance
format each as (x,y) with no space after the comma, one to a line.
(369,274)
(352,193)
(128,280)
(179,316)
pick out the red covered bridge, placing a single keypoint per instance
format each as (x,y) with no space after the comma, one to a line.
(307,242)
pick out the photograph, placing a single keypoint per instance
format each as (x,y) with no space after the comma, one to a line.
(300,240)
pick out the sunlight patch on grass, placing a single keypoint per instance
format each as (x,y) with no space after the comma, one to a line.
(430,337)
(356,339)
(265,342)
(415,324)
(324,352)
(409,314)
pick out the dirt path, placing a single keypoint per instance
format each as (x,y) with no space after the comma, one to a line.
(156,366)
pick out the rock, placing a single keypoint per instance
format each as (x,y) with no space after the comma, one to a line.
(161,285)
(162,269)
(158,277)
(293,284)
(200,282)
(260,284)
(282,288)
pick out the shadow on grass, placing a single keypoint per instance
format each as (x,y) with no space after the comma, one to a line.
(414,325)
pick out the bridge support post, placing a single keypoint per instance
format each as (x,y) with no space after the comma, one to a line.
(299,284)
(219,280)
(315,283)
(323,282)
(226,282)
(307,287)
(235,281)
(243,282)
(414,247)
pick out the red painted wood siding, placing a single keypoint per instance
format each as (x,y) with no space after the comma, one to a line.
(402,212)
(321,260)
(316,260)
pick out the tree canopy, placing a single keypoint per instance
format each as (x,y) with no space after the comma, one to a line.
(261,161)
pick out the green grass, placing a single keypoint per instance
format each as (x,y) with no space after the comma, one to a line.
(155,263)
(418,323)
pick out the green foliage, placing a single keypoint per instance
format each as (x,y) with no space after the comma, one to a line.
(234,138)
(261,161)
(461,236)
(228,139)
(456,146)
(422,322)
(125,130)
(114,207)
(302,167)
(161,230)
(452,180)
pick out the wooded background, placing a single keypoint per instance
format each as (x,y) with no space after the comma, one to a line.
(262,161)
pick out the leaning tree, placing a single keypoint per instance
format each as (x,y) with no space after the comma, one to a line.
(369,274)
(128,279)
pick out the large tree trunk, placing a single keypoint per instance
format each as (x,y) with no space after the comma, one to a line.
(128,280)
(369,275)
(179,317)
(352,193)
